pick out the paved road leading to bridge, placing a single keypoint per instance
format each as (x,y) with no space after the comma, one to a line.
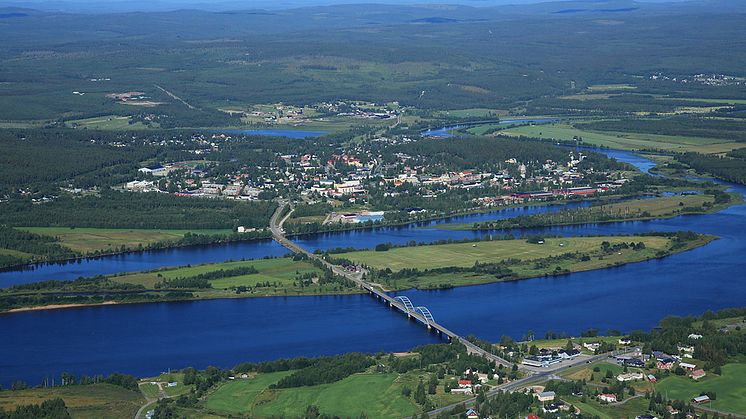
(533,375)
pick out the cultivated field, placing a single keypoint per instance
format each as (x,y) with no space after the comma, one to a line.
(85,401)
(729,388)
(625,140)
(466,254)
(86,240)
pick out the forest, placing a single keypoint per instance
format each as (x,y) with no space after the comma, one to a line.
(687,126)
(153,210)
(726,168)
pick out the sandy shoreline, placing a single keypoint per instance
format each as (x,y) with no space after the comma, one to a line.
(58,306)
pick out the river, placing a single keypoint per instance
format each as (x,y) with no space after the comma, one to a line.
(146,339)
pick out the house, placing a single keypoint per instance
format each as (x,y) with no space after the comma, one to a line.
(546,396)
(652,378)
(607,397)
(472,414)
(568,354)
(465,390)
(695,336)
(551,408)
(698,373)
(645,417)
(542,361)
(152,169)
(630,376)
(464,383)
(633,362)
(701,399)
(592,346)
(665,363)
(625,341)
(687,366)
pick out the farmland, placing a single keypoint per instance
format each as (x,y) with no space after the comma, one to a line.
(728,388)
(625,140)
(87,240)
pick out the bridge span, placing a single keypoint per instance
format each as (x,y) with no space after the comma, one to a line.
(401,303)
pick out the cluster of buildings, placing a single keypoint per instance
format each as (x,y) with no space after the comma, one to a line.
(705,79)
(546,358)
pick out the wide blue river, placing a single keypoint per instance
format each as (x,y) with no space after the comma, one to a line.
(146,339)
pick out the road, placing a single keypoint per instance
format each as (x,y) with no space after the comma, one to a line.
(532,375)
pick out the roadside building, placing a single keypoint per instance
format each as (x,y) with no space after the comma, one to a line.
(546,396)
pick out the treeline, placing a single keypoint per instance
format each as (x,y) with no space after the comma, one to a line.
(203,280)
(138,210)
(594,214)
(37,159)
(687,126)
(41,247)
(48,409)
(327,370)
(726,168)
(615,104)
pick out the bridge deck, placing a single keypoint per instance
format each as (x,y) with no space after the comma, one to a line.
(356,277)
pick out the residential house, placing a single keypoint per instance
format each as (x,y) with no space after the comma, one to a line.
(607,397)
(546,396)
(698,373)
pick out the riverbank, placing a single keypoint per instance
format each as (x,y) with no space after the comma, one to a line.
(92,243)
(424,267)
(475,263)
(633,210)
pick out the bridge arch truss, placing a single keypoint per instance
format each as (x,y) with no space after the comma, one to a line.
(425,313)
(407,303)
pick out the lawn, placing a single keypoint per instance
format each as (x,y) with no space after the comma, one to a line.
(377,395)
(83,401)
(729,388)
(238,396)
(465,254)
(86,240)
(625,140)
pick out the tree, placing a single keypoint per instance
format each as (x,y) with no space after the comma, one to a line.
(419,393)
(432,385)
(569,346)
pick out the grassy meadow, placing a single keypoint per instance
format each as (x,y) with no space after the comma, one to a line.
(625,140)
(83,401)
(729,388)
(87,240)
(466,254)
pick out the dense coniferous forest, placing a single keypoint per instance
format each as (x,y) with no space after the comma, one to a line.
(138,210)
(730,169)
(682,126)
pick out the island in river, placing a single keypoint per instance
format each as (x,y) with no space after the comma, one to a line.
(435,266)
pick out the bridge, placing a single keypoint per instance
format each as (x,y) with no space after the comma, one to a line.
(402,303)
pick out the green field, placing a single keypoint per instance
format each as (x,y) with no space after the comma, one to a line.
(625,140)
(729,388)
(238,396)
(108,122)
(87,240)
(466,254)
(628,409)
(83,401)
(377,395)
(280,270)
